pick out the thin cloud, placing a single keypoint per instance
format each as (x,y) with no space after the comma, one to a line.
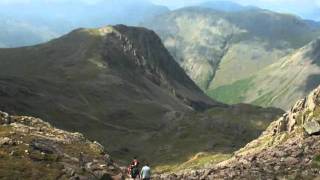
(306,8)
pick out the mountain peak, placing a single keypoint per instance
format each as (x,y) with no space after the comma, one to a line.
(117,82)
(105,30)
(226,6)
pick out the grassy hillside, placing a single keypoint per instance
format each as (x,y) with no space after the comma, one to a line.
(279,84)
(208,136)
(231,94)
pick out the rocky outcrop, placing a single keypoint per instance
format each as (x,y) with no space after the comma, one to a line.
(288,149)
(32,149)
(312,127)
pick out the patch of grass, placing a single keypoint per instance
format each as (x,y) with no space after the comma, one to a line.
(198,161)
(263,100)
(17,167)
(233,93)
(75,149)
(201,160)
(316,112)
(316,162)
(5,131)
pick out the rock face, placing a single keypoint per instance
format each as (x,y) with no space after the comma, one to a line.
(284,151)
(32,149)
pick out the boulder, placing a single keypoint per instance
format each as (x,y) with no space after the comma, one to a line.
(312,127)
(103,175)
(5,141)
(4,118)
(97,147)
(291,161)
(45,146)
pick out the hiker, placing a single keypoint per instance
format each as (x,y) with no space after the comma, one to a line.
(145,173)
(134,168)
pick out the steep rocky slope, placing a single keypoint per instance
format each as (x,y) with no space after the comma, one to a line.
(279,84)
(32,149)
(217,48)
(288,149)
(120,86)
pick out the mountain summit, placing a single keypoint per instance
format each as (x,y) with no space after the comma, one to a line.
(111,82)
(120,86)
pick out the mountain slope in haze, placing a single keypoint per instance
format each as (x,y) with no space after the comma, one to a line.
(32,149)
(224,6)
(217,48)
(120,86)
(279,84)
(20,33)
(32,23)
(288,149)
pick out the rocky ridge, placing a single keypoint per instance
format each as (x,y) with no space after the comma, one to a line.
(288,149)
(33,149)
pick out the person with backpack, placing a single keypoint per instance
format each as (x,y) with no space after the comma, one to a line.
(134,168)
(145,173)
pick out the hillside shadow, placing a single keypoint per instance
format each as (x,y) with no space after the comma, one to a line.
(312,82)
(314,53)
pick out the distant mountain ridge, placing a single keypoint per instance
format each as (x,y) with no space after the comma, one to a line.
(218,48)
(227,6)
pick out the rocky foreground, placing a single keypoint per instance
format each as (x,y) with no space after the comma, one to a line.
(32,149)
(288,149)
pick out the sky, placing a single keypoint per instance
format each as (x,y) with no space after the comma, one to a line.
(308,9)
